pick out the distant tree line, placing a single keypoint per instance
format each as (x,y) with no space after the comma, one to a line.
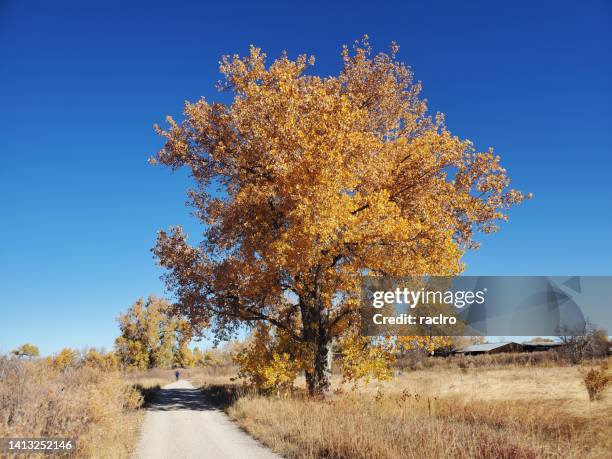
(150,337)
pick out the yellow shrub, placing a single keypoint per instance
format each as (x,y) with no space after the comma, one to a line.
(270,361)
(96,359)
(280,373)
(363,360)
(65,358)
(595,381)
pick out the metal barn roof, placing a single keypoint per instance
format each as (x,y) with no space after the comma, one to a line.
(484,347)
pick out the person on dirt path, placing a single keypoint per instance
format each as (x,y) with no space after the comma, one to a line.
(177,374)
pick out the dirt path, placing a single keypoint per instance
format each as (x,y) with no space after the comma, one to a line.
(182,424)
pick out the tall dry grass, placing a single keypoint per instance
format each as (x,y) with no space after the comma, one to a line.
(97,409)
(358,426)
(510,411)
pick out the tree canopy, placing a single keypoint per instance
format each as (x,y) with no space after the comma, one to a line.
(152,337)
(305,183)
(26,350)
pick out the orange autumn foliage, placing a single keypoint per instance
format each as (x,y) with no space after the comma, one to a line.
(306,183)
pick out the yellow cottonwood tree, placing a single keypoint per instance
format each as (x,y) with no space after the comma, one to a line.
(26,350)
(152,336)
(306,183)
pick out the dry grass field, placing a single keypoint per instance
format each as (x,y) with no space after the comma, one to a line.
(483,411)
(510,406)
(97,409)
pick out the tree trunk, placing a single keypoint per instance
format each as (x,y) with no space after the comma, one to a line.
(317,335)
(319,380)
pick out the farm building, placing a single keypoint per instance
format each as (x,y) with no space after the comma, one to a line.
(491,348)
(535,346)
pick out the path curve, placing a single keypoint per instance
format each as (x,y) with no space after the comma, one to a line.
(182,424)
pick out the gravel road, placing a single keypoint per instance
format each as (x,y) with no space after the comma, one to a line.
(182,424)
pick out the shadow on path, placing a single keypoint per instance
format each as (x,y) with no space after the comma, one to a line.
(180,399)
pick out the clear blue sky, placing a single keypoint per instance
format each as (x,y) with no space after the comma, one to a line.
(81,85)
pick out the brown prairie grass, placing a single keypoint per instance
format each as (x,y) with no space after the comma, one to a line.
(97,409)
(500,412)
